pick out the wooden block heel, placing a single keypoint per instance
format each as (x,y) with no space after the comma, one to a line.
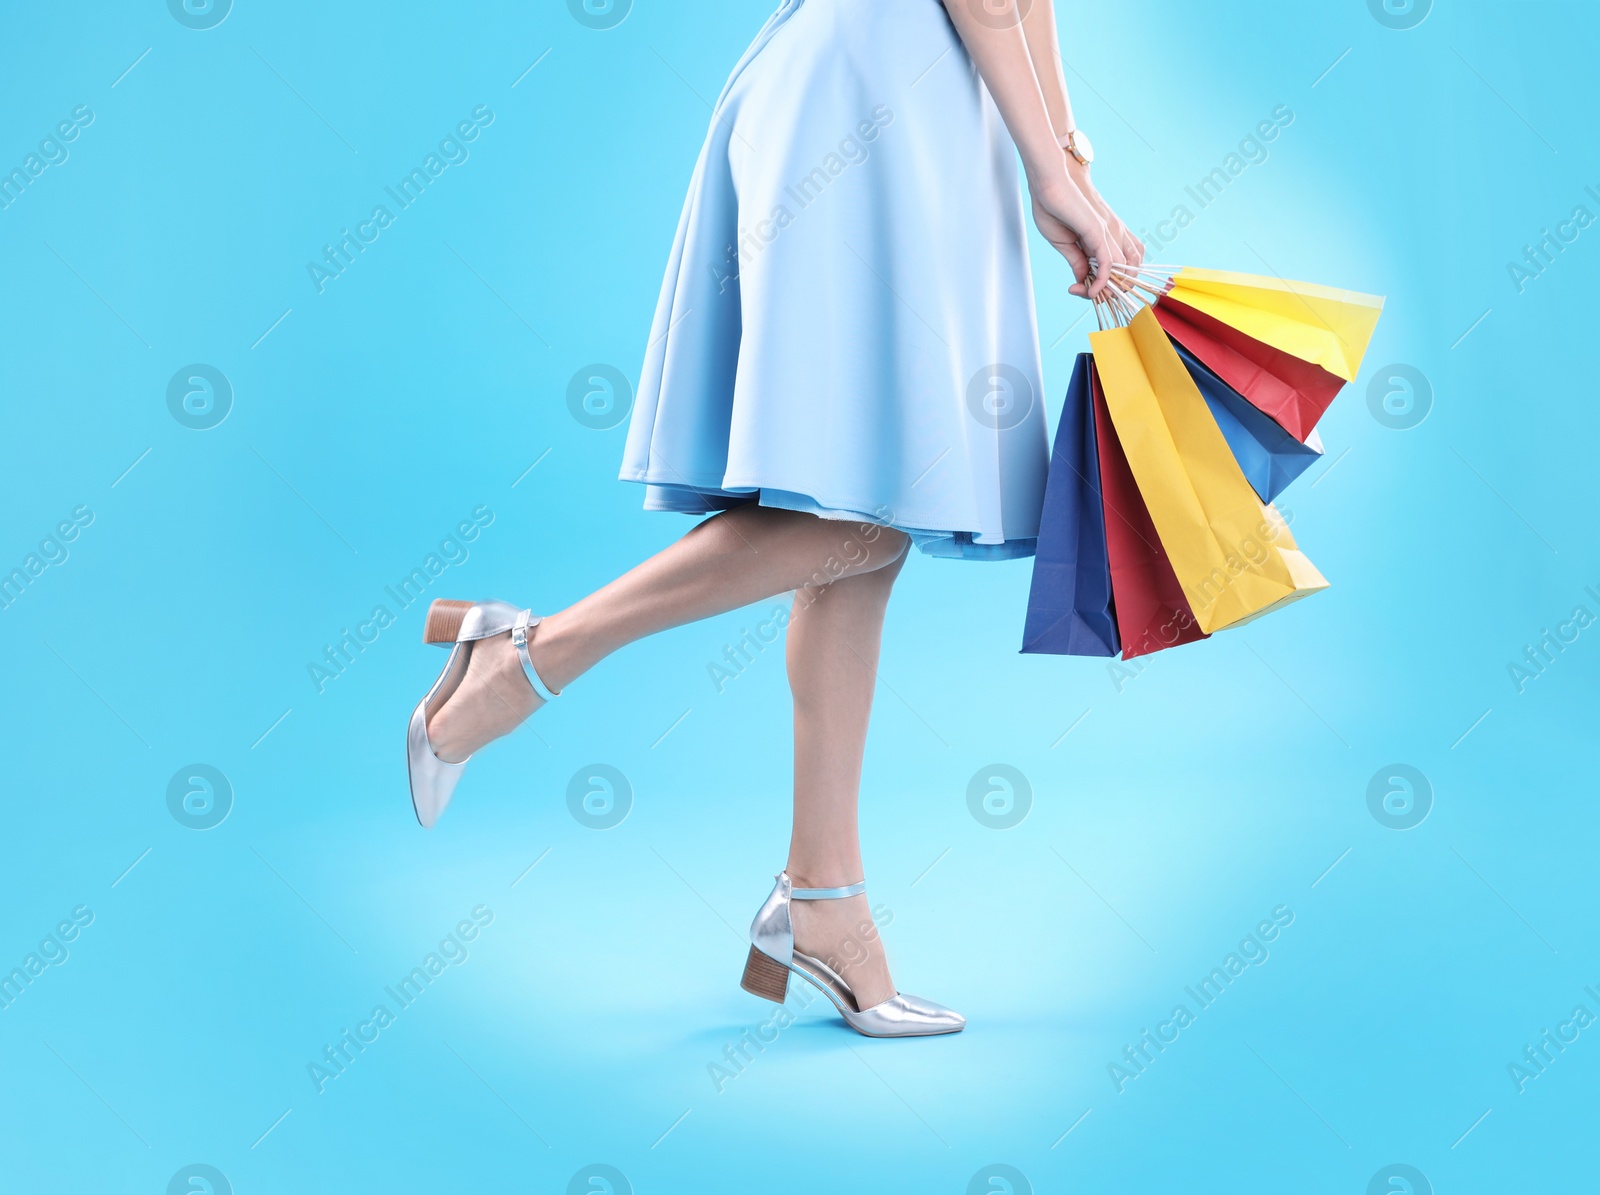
(765,977)
(444,621)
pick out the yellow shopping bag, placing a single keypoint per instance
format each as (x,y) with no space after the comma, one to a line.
(1321,324)
(1233,555)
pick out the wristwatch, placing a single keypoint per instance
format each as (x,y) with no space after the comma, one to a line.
(1077,144)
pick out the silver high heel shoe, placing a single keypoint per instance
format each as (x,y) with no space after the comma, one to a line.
(458,625)
(773,957)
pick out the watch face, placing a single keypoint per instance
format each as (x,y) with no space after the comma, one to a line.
(1085,147)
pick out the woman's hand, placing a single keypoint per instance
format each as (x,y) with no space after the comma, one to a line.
(1070,222)
(1132,246)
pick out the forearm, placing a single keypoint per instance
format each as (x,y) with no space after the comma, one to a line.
(1064,211)
(1039,27)
(1004,60)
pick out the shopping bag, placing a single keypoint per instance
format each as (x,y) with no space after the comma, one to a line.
(1152,612)
(1269,457)
(1069,602)
(1293,392)
(1320,324)
(1233,555)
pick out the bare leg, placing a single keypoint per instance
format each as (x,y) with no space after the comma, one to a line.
(726,562)
(834,635)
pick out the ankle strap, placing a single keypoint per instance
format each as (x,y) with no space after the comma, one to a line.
(855,889)
(526,621)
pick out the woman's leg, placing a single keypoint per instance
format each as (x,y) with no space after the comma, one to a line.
(834,635)
(742,556)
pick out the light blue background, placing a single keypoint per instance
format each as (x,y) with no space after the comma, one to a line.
(1186,802)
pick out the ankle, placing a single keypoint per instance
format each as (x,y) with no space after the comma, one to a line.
(556,648)
(824,875)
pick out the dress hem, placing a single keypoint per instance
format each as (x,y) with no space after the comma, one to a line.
(688,498)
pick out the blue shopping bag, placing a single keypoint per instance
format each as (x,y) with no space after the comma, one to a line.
(1069,604)
(1269,456)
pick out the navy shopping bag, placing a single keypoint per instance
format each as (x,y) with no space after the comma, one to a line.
(1069,605)
(1268,455)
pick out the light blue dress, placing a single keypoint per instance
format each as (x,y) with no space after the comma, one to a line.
(847,322)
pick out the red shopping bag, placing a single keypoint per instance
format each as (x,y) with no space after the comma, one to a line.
(1152,612)
(1296,393)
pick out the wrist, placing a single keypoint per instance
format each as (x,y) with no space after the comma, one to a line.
(1047,178)
(1056,192)
(1078,172)
(1059,188)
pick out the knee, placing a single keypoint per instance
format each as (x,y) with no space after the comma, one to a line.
(889,556)
(871,549)
(880,564)
(887,553)
(872,556)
